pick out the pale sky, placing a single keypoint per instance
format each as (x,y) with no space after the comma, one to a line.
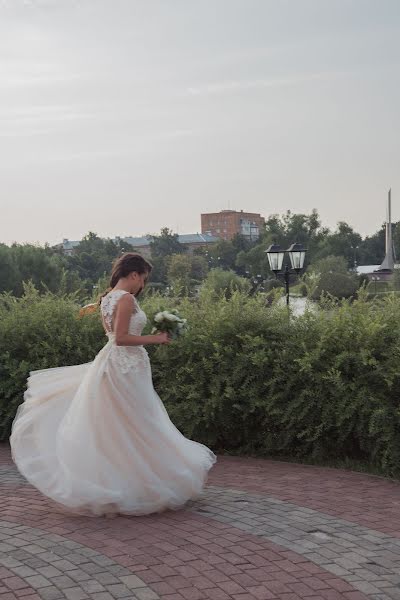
(124,116)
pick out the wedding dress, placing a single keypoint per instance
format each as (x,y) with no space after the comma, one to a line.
(97,439)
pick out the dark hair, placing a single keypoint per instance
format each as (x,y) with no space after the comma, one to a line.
(130,262)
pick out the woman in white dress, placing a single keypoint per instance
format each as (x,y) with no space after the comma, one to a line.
(96,437)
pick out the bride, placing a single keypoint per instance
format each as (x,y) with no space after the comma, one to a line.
(96,437)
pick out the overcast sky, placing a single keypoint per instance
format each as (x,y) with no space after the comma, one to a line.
(123,116)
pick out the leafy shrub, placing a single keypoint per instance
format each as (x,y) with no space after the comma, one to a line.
(39,332)
(324,386)
(219,282)
(245,378)
(337,285)
(330,264)
(273,284)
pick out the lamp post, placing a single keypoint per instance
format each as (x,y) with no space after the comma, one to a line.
(355,264)
(256,282)
(276,255)
(211,260)
(375,278)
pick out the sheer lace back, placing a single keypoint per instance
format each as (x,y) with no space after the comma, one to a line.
(108,306)
(125,357)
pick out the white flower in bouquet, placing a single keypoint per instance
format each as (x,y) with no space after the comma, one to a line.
(173,318)
(170,322)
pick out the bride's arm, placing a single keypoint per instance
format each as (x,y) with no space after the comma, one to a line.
(123,313)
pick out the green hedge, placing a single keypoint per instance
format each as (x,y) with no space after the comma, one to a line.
(39,332)
(324,386)
(245,378)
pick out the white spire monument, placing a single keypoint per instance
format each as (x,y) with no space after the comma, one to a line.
(388,261)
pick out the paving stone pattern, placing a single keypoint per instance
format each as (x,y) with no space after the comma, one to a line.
(368,559)
(262,531)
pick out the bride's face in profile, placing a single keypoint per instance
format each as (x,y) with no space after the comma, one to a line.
(139,281)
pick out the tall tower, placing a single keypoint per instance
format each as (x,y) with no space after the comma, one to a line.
(388,262)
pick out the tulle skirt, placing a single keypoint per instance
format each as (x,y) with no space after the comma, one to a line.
(97,439)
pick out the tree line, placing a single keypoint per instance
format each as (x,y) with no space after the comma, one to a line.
(85,272)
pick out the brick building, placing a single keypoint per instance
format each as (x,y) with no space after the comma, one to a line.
(227,223)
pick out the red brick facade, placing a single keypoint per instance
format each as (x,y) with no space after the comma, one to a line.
(227,223)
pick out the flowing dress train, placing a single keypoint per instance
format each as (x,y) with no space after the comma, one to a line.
(97,439)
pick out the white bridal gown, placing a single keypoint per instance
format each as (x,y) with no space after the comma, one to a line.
(97,439)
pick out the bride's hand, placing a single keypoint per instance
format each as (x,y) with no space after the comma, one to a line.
(163,338)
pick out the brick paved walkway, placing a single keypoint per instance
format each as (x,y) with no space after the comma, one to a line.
(263,531)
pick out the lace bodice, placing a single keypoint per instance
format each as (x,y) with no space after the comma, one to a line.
(125,357)
(108,306)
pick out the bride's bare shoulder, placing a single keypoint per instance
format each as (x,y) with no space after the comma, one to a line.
(114,298)
(116,294)
(125,300)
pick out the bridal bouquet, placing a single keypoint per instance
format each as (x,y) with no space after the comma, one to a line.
(170,322)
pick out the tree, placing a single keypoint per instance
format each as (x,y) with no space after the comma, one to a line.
(330,264)
(222,255)
(162,247)
(241,243)
(339,285)
(199,268)
(94,256)
(36,264)
(291,228)
(159,271)
(165,244)
(9,273)
(254,262)
(372,248)
(220,282)
(186,270)
(343,242)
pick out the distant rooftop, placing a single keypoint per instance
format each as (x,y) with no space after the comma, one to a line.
(68,245)
(198,238)
(186,238)
(137,242)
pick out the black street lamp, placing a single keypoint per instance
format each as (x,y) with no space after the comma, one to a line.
(256,281)
(276,255)
(211,260)
(375,278)
(355,263)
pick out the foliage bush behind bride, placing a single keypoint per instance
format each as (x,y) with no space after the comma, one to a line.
(244,379)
